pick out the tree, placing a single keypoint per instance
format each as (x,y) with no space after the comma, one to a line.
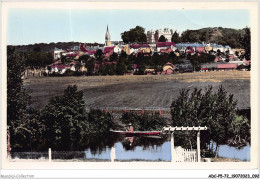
(162,39)
(78,65)
(37,49)
(245,40)
(65,119)
(175,37)
(36,60)
(134,35)
(84,58)
(113,57)
(18,100)
(90,66)
(99,54)
(121,68)
(216,110)
(144,122)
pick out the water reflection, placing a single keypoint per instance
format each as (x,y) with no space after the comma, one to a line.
(226,151)
(117,147)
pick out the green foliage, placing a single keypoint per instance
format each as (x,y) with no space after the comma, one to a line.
(162,38)
(83,58)
(90,64)
(241,126)
(245,40)
(17,98)
(121,68)
(78,65)
(99,55)
(223,36)
(65,119)
(216,110)
(175,37)
(196,60)
(37,59)
(135,35)
(99,121)
(144,122)
(113,57)
(107,69)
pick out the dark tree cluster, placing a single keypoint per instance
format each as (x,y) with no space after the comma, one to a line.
(135,35)
(216,110)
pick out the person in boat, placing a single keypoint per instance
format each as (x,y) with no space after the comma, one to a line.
(130,128)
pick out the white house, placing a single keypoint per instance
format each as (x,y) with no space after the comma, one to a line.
(57,53)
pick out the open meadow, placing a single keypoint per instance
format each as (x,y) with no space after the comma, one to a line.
(154,91)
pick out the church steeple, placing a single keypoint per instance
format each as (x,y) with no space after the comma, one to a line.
(107,38)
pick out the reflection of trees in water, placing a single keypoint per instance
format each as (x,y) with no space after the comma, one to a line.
(129,143)
(97,143)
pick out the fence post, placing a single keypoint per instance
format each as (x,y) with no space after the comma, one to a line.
(113,153)
(172,147)
(49,154)
(198,146)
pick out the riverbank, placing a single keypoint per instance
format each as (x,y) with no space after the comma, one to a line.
(218,159)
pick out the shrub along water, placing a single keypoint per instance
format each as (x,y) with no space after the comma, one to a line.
(216,110)
(144,122)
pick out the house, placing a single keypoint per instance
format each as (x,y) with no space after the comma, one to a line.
(238,51)
(126,48)
(117,49)
(200,49)
(219,59)
(190,49)
(208,66)
(108,51)
(57,53)
(91,53)
(247,62)
(169,50)
(83,48)
(149,71)
(136,48)
(208,48)
(165,46)
(168,68)
(227,66)
(61,69)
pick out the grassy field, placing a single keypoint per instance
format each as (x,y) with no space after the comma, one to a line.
(139,91)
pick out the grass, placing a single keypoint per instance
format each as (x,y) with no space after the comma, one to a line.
(155,91)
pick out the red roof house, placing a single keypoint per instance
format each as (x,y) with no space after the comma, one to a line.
(200,49)
(165,44)
(228,66)
(91,52)
(82,48)
(108,49)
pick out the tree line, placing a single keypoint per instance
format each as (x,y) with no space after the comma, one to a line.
(219,35)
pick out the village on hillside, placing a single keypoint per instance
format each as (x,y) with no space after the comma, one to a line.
(160,54)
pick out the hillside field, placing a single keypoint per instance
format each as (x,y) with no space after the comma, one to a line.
(156,91)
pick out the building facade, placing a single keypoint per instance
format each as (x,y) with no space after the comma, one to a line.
(154,35)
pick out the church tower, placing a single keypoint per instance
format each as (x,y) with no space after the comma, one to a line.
(108,38)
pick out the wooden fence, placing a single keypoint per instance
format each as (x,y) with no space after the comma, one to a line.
(184,155)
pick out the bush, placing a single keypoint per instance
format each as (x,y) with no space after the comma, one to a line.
(99,121)
(216,110)
(144,122)
(68,72)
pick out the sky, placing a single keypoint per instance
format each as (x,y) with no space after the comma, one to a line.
(29,26)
